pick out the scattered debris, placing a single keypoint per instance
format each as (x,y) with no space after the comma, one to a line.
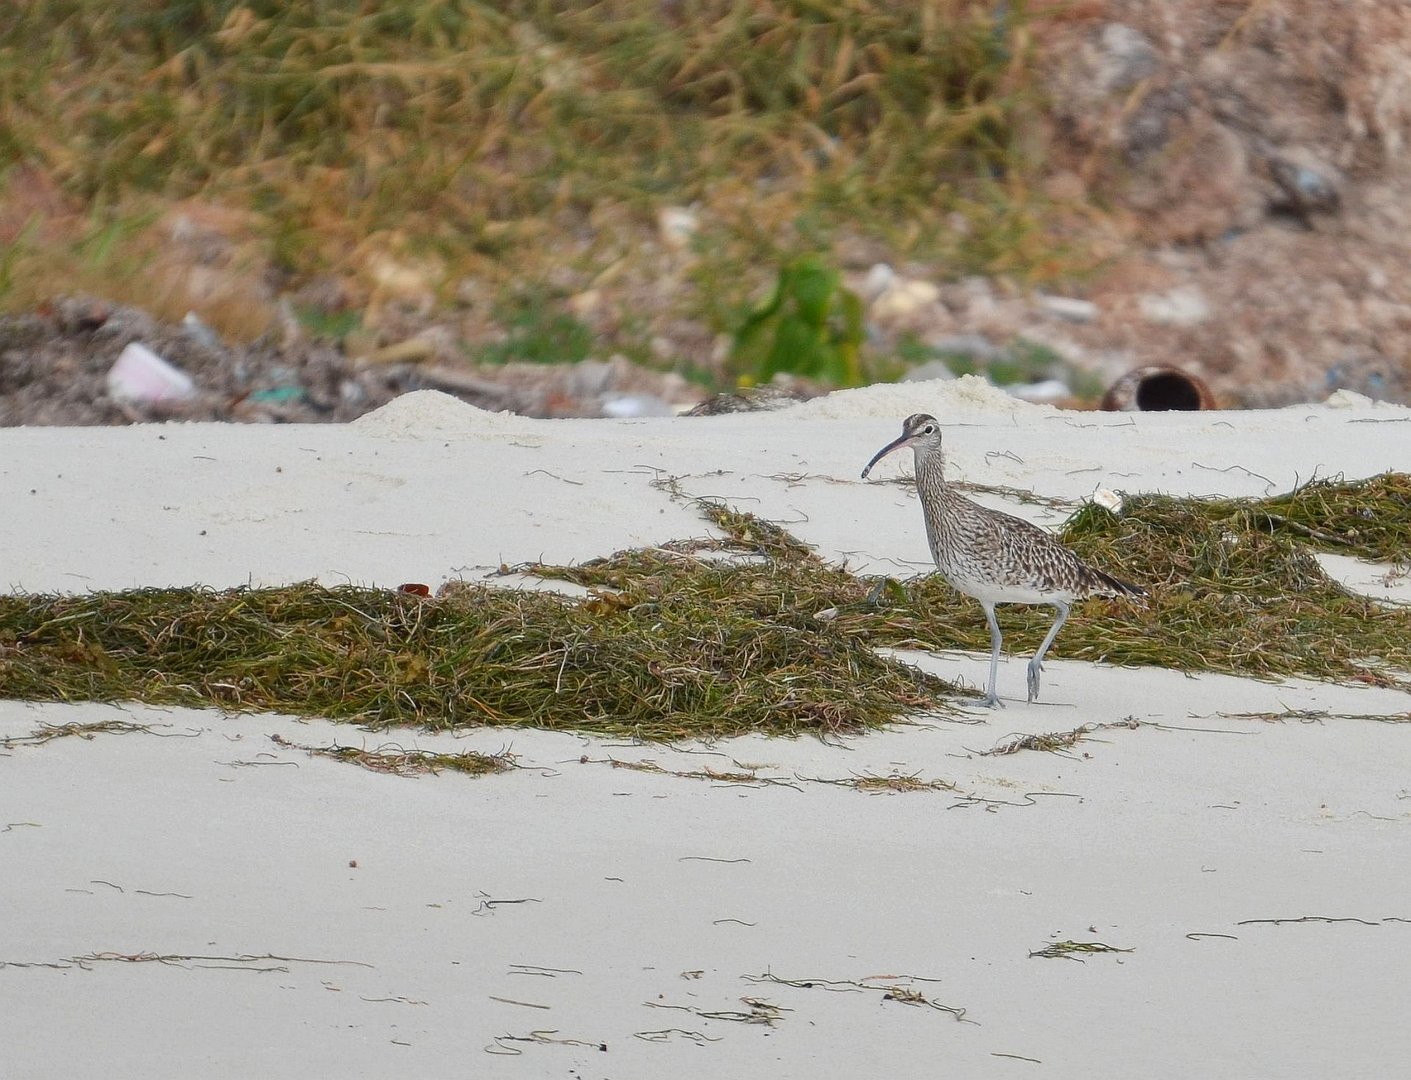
(890,987)
(1324,919)
(401,762)
(48,732)
(1046,743)
(757,1011)
(262,963)
(544,1037)
(893,783)
(1311,716)
(666,1034)
(80,362)
(1075,950)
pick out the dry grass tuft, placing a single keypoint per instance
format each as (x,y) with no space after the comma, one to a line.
(399,761)
(425,143)
(49,732)
(1075,950)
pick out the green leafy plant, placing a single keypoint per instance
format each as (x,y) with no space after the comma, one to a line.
(1024,361)
(327,325)
(810,325)
(537,331)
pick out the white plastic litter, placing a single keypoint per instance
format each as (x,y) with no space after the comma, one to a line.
(141,376)
(624,406)
(1106,497)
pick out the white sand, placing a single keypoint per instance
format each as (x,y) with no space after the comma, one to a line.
(1163,838)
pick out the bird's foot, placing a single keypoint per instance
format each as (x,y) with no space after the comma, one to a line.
(1034,668)
(992,702)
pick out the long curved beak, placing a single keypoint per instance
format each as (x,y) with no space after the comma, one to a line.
(895,444)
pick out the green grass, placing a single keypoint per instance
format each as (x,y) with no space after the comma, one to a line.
(527,141)
(538,332)
(749,631)
(400,761)
(474,656)
(1234,586)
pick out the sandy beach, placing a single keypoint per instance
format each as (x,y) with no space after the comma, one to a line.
(187,896)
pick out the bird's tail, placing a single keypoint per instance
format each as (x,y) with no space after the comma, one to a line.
(1107,585)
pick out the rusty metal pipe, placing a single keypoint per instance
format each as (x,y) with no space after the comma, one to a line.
(1158,389)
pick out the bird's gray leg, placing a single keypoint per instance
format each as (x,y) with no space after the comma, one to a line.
(1037,663)
(993,700)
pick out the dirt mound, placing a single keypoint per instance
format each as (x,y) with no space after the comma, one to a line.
(1255,156)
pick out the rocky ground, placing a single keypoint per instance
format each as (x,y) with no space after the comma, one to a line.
(1255,158)
(55,370)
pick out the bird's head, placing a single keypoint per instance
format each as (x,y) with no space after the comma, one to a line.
(921,432)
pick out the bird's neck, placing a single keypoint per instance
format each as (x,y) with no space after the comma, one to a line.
(937,497)
(931,473)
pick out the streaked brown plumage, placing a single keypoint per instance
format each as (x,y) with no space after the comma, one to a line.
(993,556)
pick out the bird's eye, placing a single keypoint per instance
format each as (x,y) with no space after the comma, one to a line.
(928,430)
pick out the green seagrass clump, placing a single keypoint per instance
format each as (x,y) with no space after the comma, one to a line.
(682,650)
(747,631)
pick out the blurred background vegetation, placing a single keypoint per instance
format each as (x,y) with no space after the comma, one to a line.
(449,155)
